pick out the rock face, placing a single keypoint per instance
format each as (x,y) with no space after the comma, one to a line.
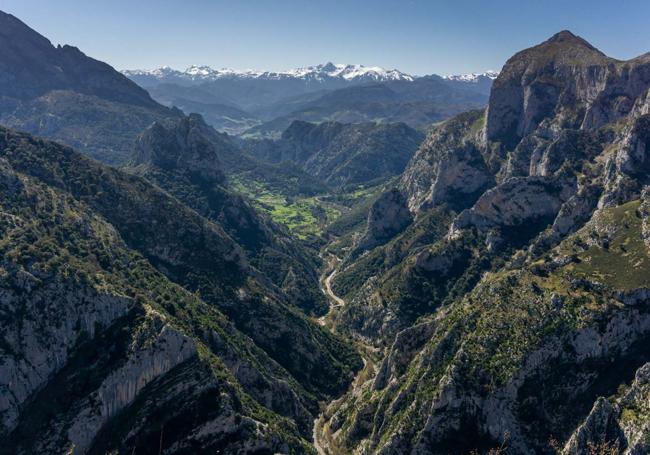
(153,355)
(448,168)
(564,76)
(626,171)
(516,202)
(35,358)
(388,216)
(60,93)
(341,154)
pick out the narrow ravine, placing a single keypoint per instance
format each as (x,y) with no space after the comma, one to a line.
(335,302)
(323,441)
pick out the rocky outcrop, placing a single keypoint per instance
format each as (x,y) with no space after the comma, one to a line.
(448,168)
(406,345)
(181,144)
(644,212)
(619,425)
(388,216)
(515,202)
(599,428)
(439,261)
(573,214)
(627,171)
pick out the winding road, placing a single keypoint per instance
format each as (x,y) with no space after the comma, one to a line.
(328,288)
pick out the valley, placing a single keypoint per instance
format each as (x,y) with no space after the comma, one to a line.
(335,259)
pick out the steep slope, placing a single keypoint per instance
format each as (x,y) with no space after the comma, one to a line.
(122,332)
(518,295)
(60,93)
(341,154)
(183,157)
(164,331)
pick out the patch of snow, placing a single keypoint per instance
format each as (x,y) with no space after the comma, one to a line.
(472,77)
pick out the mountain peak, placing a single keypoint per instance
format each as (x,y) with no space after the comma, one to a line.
(329,67)
(564,35)
(181,144)
(14,30)
(553,65)
(568,38)
(563,48)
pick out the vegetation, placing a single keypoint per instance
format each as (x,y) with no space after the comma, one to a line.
(70,222)
(304,216)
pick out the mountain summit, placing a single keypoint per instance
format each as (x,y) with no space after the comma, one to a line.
(563,74)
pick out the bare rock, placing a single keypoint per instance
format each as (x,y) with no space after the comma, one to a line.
(448,168)
(388,216)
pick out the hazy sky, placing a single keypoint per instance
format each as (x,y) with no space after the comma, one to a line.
(416,36)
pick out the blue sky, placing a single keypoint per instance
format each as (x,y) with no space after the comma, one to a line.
(416,36)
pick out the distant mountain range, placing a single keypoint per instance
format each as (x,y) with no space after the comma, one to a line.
(264,103)
(323,72)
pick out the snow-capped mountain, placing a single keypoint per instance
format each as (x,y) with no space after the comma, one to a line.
(326,71)
(472,77)
(347,72)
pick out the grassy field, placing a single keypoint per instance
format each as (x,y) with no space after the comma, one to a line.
(308,216)
(304,216)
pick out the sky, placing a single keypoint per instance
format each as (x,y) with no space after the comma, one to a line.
(414,36)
